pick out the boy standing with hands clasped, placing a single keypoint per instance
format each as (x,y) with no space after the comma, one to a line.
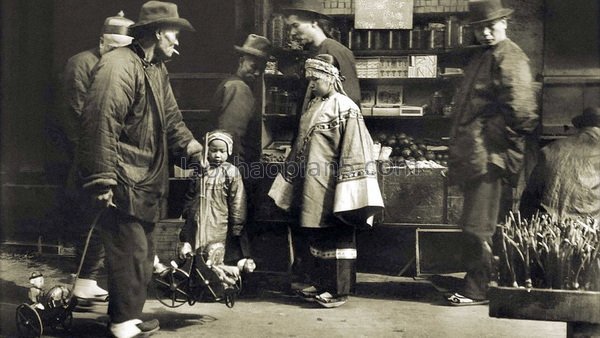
(215,208)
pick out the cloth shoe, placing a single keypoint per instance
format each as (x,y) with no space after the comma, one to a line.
(134,328)
(327,300)
(88,289)
(456,299)
(308,294)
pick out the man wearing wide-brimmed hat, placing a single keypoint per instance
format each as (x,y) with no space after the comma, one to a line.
(77,78)
(566,180)
(129,122)
(234,103)
(495,110)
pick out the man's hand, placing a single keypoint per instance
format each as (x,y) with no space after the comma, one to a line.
(195,152)
(103,199)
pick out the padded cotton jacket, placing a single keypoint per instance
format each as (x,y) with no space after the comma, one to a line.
(495,110)
(129,122)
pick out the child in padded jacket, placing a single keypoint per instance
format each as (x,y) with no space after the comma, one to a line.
(215,207)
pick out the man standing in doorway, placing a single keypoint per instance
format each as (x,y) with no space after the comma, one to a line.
(234,102)
(496,109)
(77,78)
(130,122)
(312,29)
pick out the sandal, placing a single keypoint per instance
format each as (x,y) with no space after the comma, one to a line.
(456,299)
(328,301)
(308,293)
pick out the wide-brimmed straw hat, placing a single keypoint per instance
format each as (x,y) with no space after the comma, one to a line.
(256,45)
(589,118)
(161,13)
(487,10)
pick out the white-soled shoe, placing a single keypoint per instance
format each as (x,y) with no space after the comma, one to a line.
(89,289)
(126,329)
(134,328)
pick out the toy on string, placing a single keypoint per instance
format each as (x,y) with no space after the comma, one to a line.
(51,308)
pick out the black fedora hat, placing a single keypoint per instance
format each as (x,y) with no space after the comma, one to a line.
(487,10)
(161,13)
(256,45)
(304,13)
(589,118)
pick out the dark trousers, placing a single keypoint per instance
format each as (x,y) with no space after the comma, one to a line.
(479,219)
(129,259)
(94,256)
(335,275)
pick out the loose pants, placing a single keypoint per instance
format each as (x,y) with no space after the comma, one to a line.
(129,259)
(334,255)
(479,219)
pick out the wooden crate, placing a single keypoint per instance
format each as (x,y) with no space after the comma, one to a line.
(414,195)
(439,250)
(545,304)
(579,309)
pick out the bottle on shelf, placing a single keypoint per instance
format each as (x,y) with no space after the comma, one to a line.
(437,103)
(380,38)
(354,39)
(276,30)
(271,106)
(415,38)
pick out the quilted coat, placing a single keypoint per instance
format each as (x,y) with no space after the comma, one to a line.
(566,180)
(129,123)
(225,214)
(495,110)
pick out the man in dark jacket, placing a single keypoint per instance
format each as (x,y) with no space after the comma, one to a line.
(77,78)
(312,29)
(566,180)
(234,102)
(129,123)
(496,109)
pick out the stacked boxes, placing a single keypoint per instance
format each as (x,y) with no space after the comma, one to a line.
(440,6)
(422,66)
(393,67)
(337,7)
(367,68)
(345,7)
(415,66)
(328,7)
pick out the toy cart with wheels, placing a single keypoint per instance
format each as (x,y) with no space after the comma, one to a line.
(54,310)
(195,281)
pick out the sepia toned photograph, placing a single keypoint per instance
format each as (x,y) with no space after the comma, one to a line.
(221,168)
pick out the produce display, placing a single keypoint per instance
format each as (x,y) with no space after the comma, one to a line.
(543,252)
(405,148)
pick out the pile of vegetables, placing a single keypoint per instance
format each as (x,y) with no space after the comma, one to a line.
(543,252)
(406,148)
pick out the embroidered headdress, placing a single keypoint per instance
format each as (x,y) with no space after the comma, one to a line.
(322,67)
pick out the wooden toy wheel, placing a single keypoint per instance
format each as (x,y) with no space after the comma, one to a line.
(230,295)
(171,288)
(29,323)
(67,321)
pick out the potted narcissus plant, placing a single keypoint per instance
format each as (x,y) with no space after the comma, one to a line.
(549,270)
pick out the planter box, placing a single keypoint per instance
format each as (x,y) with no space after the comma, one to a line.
(545,304)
